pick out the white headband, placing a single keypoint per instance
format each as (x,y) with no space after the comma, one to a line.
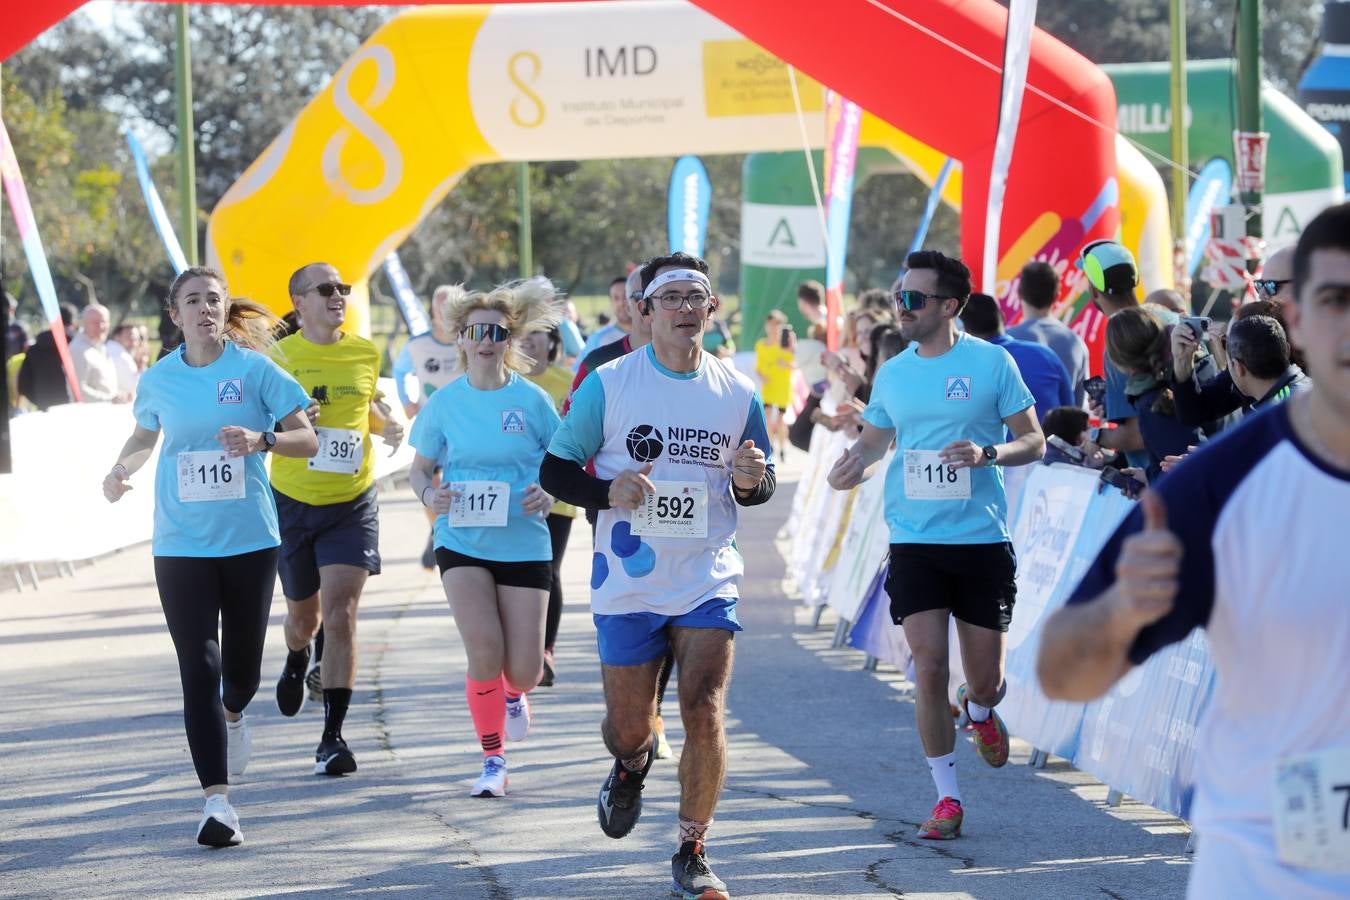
(666,278)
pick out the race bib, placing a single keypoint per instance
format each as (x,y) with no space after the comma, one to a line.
(1312,811)
(210,475)
(678,509)
(480,504)
(339,451)
(927,477)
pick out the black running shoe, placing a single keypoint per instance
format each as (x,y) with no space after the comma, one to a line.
(291,687)
(314,681)
(691,879)
(620,803)
(333,757)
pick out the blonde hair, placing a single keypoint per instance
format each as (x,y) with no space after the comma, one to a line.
(246,323)
(525,306)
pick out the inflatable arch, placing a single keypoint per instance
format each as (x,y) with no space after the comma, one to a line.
(438,90)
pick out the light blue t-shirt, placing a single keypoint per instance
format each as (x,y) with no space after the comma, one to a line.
(964,394)
(496,435)
(189,405)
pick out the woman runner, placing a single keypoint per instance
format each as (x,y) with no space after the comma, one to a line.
(489,431)
(215,399)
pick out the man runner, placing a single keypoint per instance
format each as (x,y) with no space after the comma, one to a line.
(1272,753)
(946,402)
(327,506)
(676,435)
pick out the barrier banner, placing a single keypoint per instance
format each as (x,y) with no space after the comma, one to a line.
(873,632)
(1140,737)
(49,446)
(1052,550)
(863,542)
(158,216)
(688,202)
(12,181)
(414,316)
(843,120)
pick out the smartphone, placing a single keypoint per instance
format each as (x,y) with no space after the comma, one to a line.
(1130,487)
(1064,447)
(785,339)
(1096,389)
(1199,326)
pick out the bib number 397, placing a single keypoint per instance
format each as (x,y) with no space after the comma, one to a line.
(1312,811)
(210,475)
(339,451)
(678,509)
(480,504)
(927,477)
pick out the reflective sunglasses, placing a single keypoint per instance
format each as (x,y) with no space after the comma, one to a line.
(673,301)
(912,300)
(494,333)
(1267,288)
(328,287)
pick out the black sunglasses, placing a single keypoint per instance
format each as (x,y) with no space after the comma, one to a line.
(327,288)
(1267,288)
(912,300)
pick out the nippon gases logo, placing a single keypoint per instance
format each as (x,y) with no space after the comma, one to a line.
(646,443)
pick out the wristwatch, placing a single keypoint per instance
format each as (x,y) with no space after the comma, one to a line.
(269,440)
(990,454)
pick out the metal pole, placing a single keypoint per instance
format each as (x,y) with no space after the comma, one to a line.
(187,180)
(1180,147)
(526,238)
(1249,98)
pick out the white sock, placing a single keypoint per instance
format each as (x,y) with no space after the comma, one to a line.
(237,723)
(977,712)
(944,775)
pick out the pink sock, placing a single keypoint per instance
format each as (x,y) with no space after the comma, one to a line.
(488,710)
(511,693)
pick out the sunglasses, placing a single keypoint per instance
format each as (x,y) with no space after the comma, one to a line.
(1266,288)
(328,287)
(912,300)
(493,332)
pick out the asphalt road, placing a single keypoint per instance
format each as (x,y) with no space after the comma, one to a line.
(826,786)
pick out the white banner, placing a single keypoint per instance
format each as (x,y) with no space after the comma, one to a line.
(1016,56)
(52,506)
(781,237)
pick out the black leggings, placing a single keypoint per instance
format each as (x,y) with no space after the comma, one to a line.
(217,610)
(559,529)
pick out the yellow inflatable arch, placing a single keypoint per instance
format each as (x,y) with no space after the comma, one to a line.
(436,91)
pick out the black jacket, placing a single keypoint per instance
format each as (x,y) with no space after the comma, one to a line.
(41,377)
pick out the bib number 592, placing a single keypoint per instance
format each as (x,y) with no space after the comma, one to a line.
(675,507)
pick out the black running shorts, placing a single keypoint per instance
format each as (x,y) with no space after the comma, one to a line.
(529,574)
(315,536)
(977,582)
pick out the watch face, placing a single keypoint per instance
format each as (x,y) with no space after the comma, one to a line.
(990,452)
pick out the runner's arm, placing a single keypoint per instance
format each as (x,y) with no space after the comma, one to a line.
(568,481)
(403,369)
(298,439)
(137,449)
(1028,443)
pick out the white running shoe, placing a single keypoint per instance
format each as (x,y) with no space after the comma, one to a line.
(518,718)
(239,743)
(492,783)
(220,825)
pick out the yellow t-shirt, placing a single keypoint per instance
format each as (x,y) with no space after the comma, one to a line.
(12,373)
(343,378)
(774,366)
(557,383)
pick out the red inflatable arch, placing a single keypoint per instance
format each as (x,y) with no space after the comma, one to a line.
(931,68)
